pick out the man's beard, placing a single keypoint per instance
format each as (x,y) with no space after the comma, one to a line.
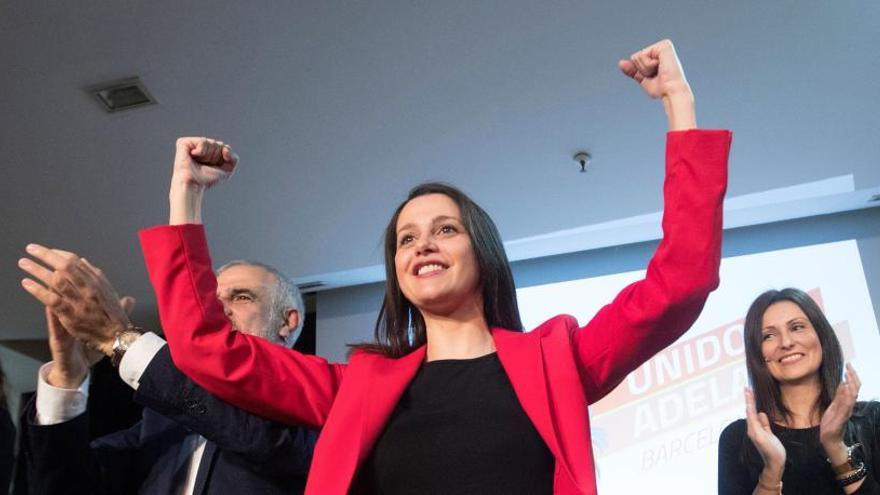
(275,321)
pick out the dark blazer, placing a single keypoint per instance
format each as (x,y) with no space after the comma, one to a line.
(244,453)
(7,448)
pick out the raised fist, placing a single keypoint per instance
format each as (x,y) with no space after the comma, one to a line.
(657,70)
(202,162)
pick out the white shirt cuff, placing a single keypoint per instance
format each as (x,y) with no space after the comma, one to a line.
(138,357)
(57,405)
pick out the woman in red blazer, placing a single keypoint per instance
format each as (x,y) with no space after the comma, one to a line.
(452,396)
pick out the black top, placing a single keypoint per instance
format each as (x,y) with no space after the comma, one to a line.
(459,428)
(806,469)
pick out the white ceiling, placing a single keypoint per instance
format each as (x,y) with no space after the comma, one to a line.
(338,107)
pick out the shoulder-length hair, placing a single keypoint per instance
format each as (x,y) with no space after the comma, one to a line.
(400,328)
(768,396)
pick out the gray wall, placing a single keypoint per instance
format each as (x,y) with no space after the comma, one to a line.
(348,315)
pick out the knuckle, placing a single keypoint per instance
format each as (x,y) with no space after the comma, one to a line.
(68,263)
(57,278)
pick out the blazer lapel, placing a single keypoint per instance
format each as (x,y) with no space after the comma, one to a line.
(539,365)
(388,381)
(522,359)
(367,396)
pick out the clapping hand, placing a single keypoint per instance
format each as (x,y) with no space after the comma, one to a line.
(758,429)
(78,294)
(837,414)
(71,359)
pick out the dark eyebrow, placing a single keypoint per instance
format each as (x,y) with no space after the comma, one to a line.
(435,221)
(443,218)
(797,319)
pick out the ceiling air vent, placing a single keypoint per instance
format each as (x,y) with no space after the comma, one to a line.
(307,286)
(122,95)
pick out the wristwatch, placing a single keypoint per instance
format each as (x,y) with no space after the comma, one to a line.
(123,341)
(851,463)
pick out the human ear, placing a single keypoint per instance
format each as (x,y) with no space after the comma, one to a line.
(291,321)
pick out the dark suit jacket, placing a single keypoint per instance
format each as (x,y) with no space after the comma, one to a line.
(244,453)
(7,448)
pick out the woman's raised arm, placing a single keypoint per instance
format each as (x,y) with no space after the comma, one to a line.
(651,314)
(250,372)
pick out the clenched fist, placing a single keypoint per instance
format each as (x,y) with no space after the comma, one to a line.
(199,163)
(202,162)
(657,70)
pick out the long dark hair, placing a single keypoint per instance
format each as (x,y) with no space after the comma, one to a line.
(768,396)
(400,328)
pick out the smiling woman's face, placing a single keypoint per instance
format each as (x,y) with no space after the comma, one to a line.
(789,344)
(435,262)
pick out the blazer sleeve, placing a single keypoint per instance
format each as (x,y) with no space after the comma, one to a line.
(7,448)
(650,314)
(281,448)
(248,372)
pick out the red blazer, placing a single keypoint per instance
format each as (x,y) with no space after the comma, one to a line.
(556,370)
